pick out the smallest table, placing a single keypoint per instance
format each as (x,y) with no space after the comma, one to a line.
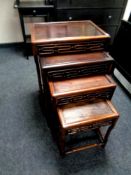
(76,119)
(30,9)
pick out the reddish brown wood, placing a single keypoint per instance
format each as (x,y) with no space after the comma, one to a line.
(59,61)
(66,31)
(83,88)
(54,38)
(81,117)
(72,68)
(68,66)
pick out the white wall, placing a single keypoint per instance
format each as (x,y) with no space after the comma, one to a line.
(127,10)
(10,29)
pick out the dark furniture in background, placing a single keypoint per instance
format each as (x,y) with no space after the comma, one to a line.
(121,49)
(32,9)
(105,13)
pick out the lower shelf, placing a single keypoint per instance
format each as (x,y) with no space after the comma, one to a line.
(82,141)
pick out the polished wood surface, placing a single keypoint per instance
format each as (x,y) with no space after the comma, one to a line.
(74,119)
(66,31)
(72,66)
(80,85)
(68,37)
(76,65)
(59,61)
(73,69)
(79,114)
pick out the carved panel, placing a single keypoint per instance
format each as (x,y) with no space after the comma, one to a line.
(89,127)
(71,47)
(99,68)
(102,94)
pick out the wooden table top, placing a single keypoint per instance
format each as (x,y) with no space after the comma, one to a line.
(66,31)
(59,61)
(86,113)
(81,84)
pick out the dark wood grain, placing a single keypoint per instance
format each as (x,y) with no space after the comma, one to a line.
(71,86)
(69,37)
(75,59)
(73,70)
(81,89)
(66,31)
(75,118)
(76,65)
(73,115)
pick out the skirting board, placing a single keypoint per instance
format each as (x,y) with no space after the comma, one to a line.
(126,84)
(6,45)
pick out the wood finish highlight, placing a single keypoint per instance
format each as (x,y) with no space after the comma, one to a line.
(81,117)
(79,89)
(73,69)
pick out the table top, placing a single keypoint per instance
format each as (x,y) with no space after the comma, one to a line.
(58,61)
(86,113)
(66,31)
(80,84)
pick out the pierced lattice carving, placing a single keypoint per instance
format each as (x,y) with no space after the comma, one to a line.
(71,47)
(86,97)
(101,68)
